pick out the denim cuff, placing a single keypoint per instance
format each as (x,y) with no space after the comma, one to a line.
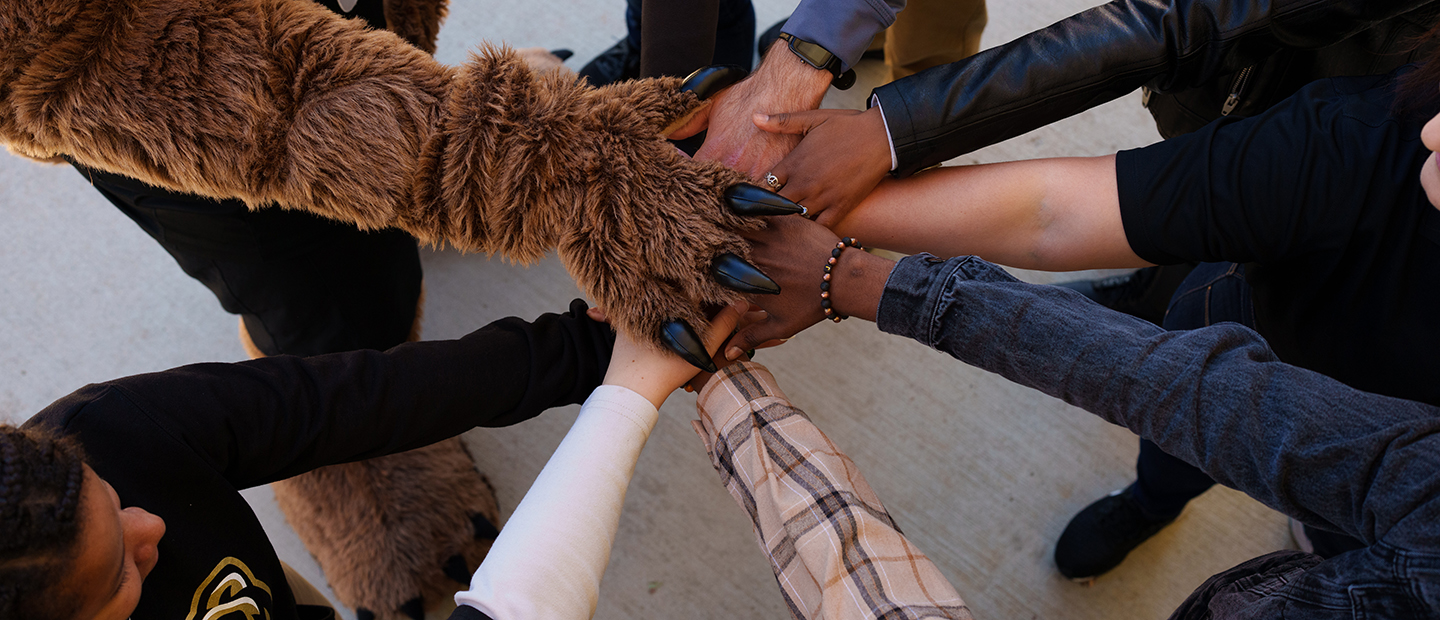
(916,292)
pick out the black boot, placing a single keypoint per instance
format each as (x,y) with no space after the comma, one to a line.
(1100,537)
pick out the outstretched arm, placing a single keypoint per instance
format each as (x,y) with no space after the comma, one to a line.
(836,552)
(269,419)
(1048,214)
(549,559)
(1298,441)
(282,102)
(1056,72)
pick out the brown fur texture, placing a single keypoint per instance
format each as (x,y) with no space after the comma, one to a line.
(282,102)
(383,529)
(416,21)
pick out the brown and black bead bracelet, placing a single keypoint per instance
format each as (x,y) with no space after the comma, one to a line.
(825,304)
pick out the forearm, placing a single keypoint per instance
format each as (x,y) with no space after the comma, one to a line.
(1049,214)
(283,102)
(276,417)
(1217,398)
(1100,55)
(551,555)
(782,469)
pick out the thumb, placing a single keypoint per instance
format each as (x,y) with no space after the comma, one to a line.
(723,324)
(691,123)
(796,122)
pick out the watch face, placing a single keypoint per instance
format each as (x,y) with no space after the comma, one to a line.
(812,53)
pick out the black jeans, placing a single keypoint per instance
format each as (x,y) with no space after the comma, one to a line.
(1212,293)
(304,285)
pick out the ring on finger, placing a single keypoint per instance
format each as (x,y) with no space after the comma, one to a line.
(773,181)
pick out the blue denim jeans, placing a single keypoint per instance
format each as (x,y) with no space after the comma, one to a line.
(1212,293)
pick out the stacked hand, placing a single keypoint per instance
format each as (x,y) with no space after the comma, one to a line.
(654,373)
(843,156)
(794,252)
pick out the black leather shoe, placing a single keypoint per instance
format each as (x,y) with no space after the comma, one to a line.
(1143,294)
(619,63)
(1100,537)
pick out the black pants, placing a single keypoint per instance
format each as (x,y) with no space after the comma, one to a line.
(304,285)
(1212,293)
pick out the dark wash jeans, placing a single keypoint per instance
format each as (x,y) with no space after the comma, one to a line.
(1216,397)
(1213,293)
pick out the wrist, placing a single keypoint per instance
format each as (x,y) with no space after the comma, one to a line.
(858,282)
(793,83)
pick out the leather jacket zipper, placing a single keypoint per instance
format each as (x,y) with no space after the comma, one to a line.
(1236,89)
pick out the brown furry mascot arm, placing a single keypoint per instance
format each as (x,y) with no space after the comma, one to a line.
(283,102)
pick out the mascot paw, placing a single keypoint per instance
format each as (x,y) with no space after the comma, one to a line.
(658,243)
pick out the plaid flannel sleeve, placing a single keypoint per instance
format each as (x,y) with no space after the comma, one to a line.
(835,551)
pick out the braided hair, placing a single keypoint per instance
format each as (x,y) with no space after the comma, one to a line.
(40,479)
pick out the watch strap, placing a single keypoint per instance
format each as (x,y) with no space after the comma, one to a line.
(817,56)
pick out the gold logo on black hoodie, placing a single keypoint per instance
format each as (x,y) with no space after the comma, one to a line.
(231,592)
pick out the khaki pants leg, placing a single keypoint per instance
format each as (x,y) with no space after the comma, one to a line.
(929,33)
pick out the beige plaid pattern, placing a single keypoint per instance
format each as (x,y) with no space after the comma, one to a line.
(835,551)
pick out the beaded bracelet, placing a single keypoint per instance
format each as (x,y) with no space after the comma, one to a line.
(830,312)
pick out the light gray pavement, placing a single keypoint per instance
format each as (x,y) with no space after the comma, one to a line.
(982,474)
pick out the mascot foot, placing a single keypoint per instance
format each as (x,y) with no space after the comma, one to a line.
(394,532)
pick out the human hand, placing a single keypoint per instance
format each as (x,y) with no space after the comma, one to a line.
(783,83)
(843,156)
(653,372)
(793,252)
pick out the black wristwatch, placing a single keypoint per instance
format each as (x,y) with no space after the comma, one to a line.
(820,58)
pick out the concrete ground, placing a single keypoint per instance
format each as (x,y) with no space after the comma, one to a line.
(982,474)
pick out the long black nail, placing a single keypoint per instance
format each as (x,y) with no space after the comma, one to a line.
(706,81)
(415,608)
(484,529)
(456,569)
(562,53)
(736,273)
(686,343)
(747,199)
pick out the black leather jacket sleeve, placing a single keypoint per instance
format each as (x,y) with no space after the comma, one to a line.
(1102,54)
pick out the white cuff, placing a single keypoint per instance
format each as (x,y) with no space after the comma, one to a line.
(894,161)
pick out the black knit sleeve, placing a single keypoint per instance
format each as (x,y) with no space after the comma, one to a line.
(272,418)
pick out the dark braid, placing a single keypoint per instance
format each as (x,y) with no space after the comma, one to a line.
(41,475)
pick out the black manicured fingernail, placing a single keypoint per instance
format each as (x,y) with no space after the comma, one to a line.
(736,273)
(747,199)
(683,340)
(562,54)
(706,81)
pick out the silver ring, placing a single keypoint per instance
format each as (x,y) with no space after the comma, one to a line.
(773,181)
